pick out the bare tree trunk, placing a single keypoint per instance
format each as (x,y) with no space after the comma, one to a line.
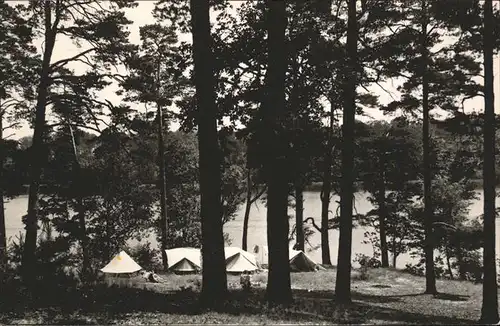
(448,263)
(462,275)
(395,253)
(214,288)
(489,309)
(384,250)
(343,280)
(430,277)
(163,190)
(80,209)
(278,286)
(3,232)
(326,189)
(299,216)
(38,150)
(244,239)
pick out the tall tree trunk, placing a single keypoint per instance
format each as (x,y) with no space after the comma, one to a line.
(430,277)
(343,281)
(326,189)
(80,208)
(394,252)
(278,286)
(299,216)
(244,239)
(384,250)
(382,214)
(3,232)
(214,288)
(462,275)
(448,263)
(162,184)
(38,150)
(489,309)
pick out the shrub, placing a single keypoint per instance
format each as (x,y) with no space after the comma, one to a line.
(367,261)
(363,274)
(147,257)
(245,282)
(414,269)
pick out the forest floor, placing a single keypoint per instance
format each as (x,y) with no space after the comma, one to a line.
(380,296)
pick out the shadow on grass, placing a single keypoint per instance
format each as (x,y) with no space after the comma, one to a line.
(381,286)
(105,305)
(451,297)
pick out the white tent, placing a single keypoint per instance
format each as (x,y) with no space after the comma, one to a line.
(239,260)
(121,264)
(184,260)
(299,260)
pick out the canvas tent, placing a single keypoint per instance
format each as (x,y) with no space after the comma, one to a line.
(299,260)
(121,264)
(184,260)
(239,260)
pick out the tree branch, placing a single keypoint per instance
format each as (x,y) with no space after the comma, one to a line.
(63,62)
(258,195)
(12,125)
(313,223)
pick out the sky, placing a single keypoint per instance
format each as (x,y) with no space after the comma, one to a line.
(142,15)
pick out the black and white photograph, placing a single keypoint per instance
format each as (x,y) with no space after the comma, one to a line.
(249,162)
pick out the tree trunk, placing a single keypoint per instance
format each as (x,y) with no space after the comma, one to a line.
(163,189)
(326,189)
(448,263)
(80,208)
(299,216)
(384,250)
(38,152)
(278,286)
(394,259)
(462,275)
(343,280)
(430,277)
(3,232)
(244,239)
(214,288)
(489,309)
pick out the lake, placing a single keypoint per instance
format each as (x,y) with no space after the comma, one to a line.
(257,232)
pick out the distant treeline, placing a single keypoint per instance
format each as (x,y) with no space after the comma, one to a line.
(315,186)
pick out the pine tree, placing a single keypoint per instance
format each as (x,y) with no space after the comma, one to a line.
(101,29)
(343,279)
(489,310)
(214,289)
(273,112)
(17,65)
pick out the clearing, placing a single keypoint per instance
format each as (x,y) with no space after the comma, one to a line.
(381,296)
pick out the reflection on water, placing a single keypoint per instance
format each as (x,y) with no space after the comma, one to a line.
(257,233)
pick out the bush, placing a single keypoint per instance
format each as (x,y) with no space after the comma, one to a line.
(148,258)
(472,266)
(363,274)
(413,269)
(56,272)
(367,261)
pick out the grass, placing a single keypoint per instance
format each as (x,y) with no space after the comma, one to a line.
(387,296)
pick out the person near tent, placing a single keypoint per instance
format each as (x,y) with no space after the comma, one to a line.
(151,277)
(245,280)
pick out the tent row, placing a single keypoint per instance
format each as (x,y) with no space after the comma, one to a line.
(188,260)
